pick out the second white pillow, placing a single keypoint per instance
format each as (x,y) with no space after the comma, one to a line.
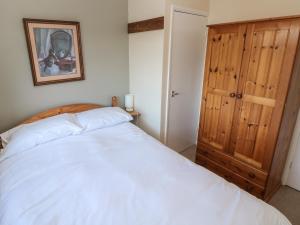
(102,117)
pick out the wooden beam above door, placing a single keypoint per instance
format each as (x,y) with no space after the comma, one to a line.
(146,25)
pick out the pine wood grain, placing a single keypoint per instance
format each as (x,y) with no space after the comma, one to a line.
(263,99)
(292,104)
(221,79)
(146,25)
(75,108)
(251,138)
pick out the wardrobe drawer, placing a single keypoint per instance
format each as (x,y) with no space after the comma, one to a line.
(257,177)
(230,163)
(230,176)
(213,155)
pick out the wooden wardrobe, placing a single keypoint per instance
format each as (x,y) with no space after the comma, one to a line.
(250,102)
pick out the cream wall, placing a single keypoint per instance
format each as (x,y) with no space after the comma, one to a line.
(148,57)
(234,10)
(105,54)
(145,64)
(144,9)
(199,5)
(191,4)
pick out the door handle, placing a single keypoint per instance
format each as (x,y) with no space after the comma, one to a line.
(239,95)
(232,95)
(174,93)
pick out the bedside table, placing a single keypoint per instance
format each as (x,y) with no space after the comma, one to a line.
(136,117)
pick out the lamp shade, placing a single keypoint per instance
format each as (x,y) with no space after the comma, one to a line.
(129,102)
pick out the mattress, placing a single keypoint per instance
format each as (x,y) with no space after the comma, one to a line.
(120,176)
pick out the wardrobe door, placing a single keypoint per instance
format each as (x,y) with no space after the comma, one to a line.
(270,49)
(222,71)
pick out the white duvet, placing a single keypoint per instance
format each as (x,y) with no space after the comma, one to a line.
(120,176)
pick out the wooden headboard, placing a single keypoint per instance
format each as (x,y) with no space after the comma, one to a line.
(75,108)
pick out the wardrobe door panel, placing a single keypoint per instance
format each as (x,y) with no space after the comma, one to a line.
(223,63)
(267,63)
(252,131)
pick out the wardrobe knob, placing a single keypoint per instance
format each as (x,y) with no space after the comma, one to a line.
(232,95)
(239,95)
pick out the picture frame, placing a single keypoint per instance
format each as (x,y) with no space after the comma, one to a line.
(55,50)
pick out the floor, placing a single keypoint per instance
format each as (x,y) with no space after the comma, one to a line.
(286,200)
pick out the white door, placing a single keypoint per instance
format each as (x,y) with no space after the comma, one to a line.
(186,75)
(294,170)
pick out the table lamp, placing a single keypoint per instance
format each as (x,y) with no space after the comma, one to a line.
(129,102)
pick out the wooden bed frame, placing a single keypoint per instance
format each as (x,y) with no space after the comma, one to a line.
(75,108)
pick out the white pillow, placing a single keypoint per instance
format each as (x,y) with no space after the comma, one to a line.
(5,137)
(42,131)
(102,117)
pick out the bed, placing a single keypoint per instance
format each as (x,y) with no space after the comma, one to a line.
(117,175)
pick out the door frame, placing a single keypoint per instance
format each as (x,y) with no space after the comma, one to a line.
(166,88)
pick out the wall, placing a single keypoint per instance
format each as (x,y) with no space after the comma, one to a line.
(233,10)
(203,6)
(143,9)
(105,53)
(145,64)
(293,157)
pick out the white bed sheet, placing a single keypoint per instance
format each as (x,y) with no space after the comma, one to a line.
(120,176)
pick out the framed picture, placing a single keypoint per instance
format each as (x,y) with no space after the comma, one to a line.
(55,51)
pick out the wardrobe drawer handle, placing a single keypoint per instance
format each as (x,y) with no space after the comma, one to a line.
(251,175)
